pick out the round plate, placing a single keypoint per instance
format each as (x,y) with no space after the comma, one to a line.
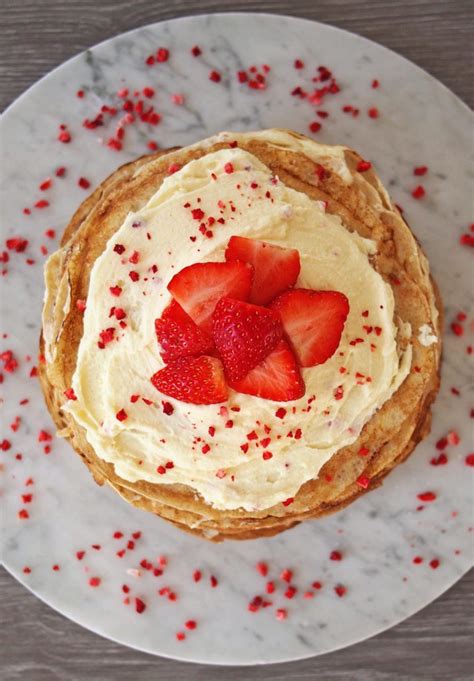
(378,582)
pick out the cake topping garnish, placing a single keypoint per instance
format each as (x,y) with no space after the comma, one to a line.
(276,378)
(313,321)
(197,380)
(276,268)
(218,308)
(198,288)
(244,335)
(179,336)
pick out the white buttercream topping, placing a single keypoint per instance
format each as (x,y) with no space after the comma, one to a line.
(365,371)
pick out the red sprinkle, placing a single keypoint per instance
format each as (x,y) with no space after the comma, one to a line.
(46,184)
(420,170)
(94,581)
(418,192)
(121,415)
(373,112)
(335,555)
(427,496)
(440,460)
(434,564)
(162,54)
(83,183)
(469,460)
(70,394)
(340,590)
(215,76)
(64,136)
(196,51)
(363,481)
(363,166)
(44,436)
(281,614)
(139,605)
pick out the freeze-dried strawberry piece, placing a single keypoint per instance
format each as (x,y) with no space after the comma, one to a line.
(17,244)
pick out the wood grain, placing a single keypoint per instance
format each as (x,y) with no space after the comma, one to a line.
(36,643)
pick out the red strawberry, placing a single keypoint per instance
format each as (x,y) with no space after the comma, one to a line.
(198,380)
(313,321)
(179,336)
(244,335)
(276,378)
(276,269)
(199,287)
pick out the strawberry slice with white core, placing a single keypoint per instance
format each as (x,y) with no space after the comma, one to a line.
(244,335)
(196,380)
(199,287)
(276,378)
(276,268)
(313,322)
(179,336)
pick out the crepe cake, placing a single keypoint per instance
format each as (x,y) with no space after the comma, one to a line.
(241,334)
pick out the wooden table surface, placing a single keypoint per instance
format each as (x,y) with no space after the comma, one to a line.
(36,643)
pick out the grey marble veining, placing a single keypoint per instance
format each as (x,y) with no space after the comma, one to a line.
(420,123)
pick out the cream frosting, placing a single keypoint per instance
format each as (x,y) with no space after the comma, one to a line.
(426,335)
(341,395)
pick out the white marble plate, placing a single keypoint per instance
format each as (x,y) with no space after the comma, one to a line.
(420,124)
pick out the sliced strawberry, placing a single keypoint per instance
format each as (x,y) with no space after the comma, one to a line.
(276,269)
(313,321)
(197,380)
(276,378)
(244,335)
(199,287)
(179,336)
